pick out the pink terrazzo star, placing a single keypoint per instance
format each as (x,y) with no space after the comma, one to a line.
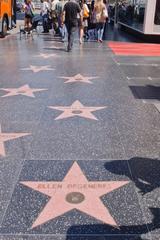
(79,78)
(55,47)
(24,90)
(47,55)
(75,192)
(6,137)
(37,69)
(76,109)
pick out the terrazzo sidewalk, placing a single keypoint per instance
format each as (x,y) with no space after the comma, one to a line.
(79,141)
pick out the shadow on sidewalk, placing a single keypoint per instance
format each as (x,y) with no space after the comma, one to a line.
(145,172)
(96,231)
(56,49)
(146,92)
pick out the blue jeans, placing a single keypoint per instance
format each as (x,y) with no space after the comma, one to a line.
(45,23)
(100,30)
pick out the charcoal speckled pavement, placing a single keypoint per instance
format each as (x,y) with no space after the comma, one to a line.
(79,140)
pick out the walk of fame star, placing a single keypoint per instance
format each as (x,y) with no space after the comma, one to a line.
(75,192)
(54,47)
(79,78)
(47,55)
(37,69)
(6,137)
(76,109)
(24,90)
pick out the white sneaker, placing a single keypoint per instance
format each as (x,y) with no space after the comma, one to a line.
(80,41)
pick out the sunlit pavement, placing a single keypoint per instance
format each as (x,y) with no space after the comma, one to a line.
(79,141)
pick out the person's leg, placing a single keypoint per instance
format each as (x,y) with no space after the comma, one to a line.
(86,33)
(59,26)
(65,33)
(25,23)
(55,24)
(28,25)
(101,31)
(73,29)
(68,27)
(62,32)
(86,29)
(45,21)
(81,33)
(98,31)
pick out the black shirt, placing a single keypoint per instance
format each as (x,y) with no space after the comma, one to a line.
(71,10)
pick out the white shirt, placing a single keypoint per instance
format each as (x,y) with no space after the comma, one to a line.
(29,7)
(53,7)
(44,8)
(85,7)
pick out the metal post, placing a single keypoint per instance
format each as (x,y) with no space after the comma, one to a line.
(115,14)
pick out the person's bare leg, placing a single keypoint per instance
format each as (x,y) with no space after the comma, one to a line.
(25,22)
(81,32)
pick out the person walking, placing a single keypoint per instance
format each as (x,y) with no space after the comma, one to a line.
(29,9)
(70,13)
(83,21)
(100,15)
(45,8)
(59,11)
(54,16)
(86,13)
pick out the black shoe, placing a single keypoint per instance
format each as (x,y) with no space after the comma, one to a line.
(45,32)
(69,49)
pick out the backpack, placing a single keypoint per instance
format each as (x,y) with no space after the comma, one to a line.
(85,12)
(29,10)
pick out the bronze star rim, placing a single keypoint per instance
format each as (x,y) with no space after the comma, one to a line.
(79,78)
(76,109)
(68,195)
(24,90)
(36,69)
(7,137)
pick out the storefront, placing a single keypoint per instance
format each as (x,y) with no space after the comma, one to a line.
(140,15)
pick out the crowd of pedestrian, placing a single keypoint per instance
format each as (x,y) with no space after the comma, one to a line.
(66,16)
